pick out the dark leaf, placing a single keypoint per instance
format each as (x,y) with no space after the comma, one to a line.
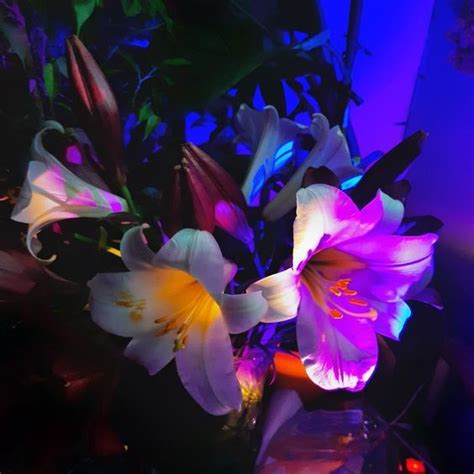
(389,168)
(321,175)
(399,190)
(172,203)
(421,225)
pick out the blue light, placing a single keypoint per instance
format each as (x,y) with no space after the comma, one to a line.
(232,92)
(258,100)
(258,182)
(304,82)
(286,39)
(130,124)
(304,118)
(299,35)
(198,128)
(351,182)
(283,155)
(138,42)
(242,149)
(291,98)
(312,101)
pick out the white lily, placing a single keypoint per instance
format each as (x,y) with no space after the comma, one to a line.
(272,139)
(52,193)
(173,305)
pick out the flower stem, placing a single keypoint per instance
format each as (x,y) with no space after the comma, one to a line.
(128,197)
(258,265)
(88,240)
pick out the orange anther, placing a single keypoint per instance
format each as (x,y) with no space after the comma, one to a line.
(358,302)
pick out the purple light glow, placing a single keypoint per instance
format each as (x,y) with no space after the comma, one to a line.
(73,155)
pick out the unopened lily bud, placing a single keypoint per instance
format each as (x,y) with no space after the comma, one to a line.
(98,110)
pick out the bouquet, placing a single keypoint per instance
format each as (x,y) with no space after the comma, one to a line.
(297,248)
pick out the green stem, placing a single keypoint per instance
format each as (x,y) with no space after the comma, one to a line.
(128,197)
(88,240)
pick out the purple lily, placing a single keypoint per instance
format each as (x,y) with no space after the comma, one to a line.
(348,281)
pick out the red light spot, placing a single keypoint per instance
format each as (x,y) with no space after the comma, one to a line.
(415,466)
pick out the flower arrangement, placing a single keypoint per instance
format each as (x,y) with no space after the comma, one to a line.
(309,255)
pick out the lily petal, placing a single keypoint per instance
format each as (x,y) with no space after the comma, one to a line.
(135,251)
(242,312)
(339,353)
(32,204)
(195,252)
(151,351)
(120,303)
(51,193)
(393,264)
(230,270)
(323,211)
(391,318)
(266,132)
(430,296)
(206,368)
(331,150)
(384,213)
(281,291)
(286,198)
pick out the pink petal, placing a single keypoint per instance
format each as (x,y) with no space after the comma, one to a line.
(232,219)
(338,353)
(393,263)
(383,213)
(242,312)
(281,291)
(325,216)
(206,369)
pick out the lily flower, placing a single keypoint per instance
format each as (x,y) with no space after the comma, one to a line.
(97,109)
(273,140)
(348,281)
(214,199)
(51,193)
(173,305)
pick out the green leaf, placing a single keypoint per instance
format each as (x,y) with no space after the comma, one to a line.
(144,113)
(49,81)
(131,7)
(153,7)
(177,62)
(83,9)
(151,125)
